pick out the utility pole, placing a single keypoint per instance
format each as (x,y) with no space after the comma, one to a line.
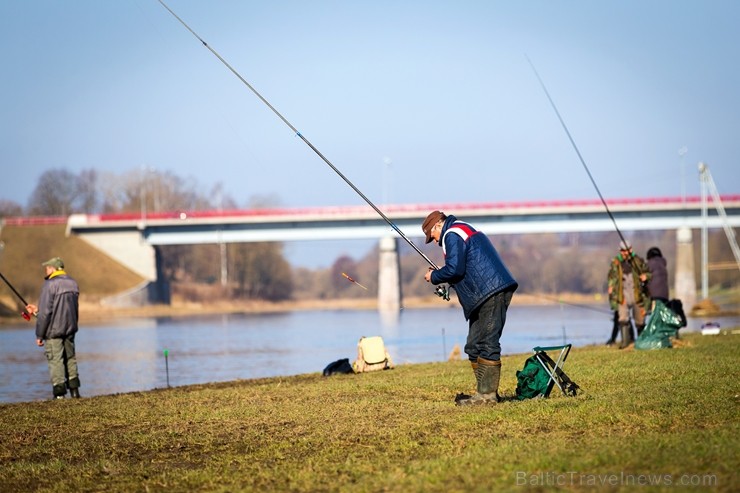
(682,152)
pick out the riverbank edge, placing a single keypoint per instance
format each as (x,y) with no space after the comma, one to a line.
(92,311)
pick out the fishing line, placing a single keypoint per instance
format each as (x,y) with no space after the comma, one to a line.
(576,305)
(303,138)
(575,147)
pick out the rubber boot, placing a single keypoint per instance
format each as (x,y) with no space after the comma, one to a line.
(640,328)
(488,375)
(626,330)
(74,387)
(615,331)
(60,391)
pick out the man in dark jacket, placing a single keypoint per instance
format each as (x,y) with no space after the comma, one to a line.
(56,326)
(484,288)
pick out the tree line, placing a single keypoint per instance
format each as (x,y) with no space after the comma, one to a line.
(546,264)
(256,271)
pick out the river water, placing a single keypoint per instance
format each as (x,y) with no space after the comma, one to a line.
(126,355)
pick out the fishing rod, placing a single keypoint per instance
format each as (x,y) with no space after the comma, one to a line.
(575,147)
(583,162)
(24,313)
(631,258)
(303,138)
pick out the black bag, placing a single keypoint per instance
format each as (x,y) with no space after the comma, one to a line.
(676,307)
(338,366)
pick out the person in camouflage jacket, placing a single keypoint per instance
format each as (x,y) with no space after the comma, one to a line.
(628,275)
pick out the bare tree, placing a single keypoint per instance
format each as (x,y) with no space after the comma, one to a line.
(55,193)
(87,189)
(260,270)
(10,208)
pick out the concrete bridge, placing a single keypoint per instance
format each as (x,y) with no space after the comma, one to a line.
(131,238)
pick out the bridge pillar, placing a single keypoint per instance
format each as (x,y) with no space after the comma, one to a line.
(131,250)
(389,277)
(685,282)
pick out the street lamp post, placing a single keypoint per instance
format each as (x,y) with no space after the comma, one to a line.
(682,152)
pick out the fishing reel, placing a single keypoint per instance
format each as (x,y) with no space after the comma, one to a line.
(442,292)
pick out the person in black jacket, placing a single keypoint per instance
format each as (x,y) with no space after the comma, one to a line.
(56,326)
(658,283)
(484,287)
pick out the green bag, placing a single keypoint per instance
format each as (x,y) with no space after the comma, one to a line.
(663,325)
(532,380)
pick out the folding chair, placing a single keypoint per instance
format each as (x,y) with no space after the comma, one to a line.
(555,368)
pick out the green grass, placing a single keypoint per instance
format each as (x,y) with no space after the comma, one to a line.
(670,413)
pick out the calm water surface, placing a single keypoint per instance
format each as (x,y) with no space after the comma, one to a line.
(127,355)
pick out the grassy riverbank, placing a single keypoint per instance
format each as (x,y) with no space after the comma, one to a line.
(666,415)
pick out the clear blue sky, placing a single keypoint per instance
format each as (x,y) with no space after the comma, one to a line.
(415,101)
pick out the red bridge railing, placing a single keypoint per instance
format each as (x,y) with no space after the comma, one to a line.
(458,208)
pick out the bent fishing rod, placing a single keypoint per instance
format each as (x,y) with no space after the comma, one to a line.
(303,138)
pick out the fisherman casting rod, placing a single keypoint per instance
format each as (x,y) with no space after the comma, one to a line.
(304,139)
(575,147)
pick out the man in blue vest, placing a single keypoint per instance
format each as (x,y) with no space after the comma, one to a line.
(484,288)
